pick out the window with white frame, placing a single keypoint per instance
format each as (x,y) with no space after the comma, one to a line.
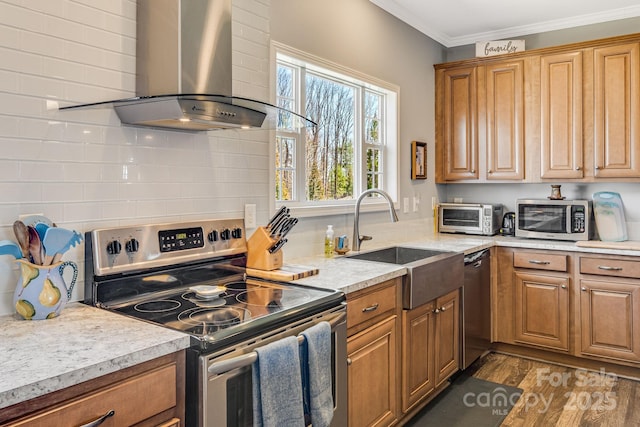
(354,146)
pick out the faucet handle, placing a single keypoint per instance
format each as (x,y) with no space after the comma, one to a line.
(365,238)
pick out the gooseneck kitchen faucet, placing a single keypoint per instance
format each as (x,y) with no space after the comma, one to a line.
(357,238)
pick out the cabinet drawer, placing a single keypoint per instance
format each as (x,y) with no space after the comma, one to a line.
(540,261)
(367,307)
(610,267)
(132,400)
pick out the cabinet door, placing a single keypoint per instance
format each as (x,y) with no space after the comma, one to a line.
(616,122)
(457,124)
(504,116)
(372,375)
(561,115)
(418,346)
(542,310)
(609,324)
(447,336)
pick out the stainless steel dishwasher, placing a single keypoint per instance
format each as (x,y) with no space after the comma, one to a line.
(476,307)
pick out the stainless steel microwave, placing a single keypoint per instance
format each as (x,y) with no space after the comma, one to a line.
(469,218)
(554,219)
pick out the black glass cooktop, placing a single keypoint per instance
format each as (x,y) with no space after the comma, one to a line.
(214,303)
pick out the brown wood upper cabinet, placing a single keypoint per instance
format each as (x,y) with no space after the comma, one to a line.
(616,121)
(502,112)
(480,122)
(576,109)
(457,126)
(561,115)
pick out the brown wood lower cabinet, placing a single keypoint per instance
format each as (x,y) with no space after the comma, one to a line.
(373,351)
(609,308)
(430,347)
(577,305)
(372,375)
(149,394)
(542,310)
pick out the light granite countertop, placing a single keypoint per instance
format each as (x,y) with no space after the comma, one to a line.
(38,357)
(349,275)
(41,356)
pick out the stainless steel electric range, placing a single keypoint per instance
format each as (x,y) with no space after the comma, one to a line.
(191,277)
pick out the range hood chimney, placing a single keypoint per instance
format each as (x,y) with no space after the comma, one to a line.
(184,72)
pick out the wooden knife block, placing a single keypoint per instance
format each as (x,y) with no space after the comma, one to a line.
(258,255)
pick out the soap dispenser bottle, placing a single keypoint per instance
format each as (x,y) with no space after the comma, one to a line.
(328,242)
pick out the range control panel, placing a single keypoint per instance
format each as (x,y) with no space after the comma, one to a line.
(131,248)
(181,239)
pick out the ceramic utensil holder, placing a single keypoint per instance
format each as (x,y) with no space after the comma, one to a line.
(258,255)
(41,292)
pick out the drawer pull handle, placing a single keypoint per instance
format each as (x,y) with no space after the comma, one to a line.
(100,420)
(436,311)
(564,286)
(349,361)
(606,267)
(443,308)
(584,289)
(373,307)
(535,261)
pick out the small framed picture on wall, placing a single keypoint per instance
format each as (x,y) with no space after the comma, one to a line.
(418,160)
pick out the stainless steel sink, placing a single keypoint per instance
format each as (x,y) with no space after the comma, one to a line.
(430,273)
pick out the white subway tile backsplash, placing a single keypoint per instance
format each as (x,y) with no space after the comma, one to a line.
(41,171)
(61,192)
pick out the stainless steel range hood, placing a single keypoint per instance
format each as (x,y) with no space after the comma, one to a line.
(184,72)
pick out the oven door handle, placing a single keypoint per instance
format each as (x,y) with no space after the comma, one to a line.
(227,365)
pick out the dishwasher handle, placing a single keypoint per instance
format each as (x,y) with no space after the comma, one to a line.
(475,257)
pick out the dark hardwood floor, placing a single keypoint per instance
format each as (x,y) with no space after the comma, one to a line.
(560,396)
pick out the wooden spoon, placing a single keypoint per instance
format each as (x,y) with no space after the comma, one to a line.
(22,235)
(35,247)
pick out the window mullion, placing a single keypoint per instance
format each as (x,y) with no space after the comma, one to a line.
(301,193)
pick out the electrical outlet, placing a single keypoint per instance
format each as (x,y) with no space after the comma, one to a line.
(457,200)
(405,208)
(250,216)
(416,202)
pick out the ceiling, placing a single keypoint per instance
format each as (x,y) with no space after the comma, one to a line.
(461,22)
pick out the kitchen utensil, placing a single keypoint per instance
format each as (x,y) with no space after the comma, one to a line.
(508,224)
(276,246)
(7,247)
(57,241)
(35,246)
(282,211)
(22,236)
(286,227)
(41,292)
(41,228)
(278,224)
(609,214)
(36,219)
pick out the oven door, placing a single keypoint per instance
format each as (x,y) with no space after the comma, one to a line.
(225,377)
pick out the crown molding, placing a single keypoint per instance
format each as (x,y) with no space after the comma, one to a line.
(395,9)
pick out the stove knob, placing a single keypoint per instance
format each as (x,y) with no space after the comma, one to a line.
(213,236)
(236,233)
(114,247)
(132,245)
(225,234)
